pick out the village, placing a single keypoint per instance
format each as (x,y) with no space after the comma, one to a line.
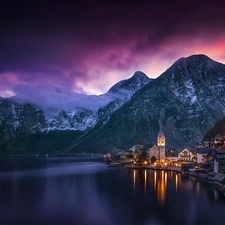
(205,160)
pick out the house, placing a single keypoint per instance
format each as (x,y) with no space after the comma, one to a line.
(172,155)
(133,151)
(219,160)
(219,181)
(186,155)
(201,154)
(136,148)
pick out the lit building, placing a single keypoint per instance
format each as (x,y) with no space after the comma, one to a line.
(161,142)
(186,155)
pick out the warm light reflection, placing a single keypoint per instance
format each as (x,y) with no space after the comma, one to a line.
(176,180)
(165,179)
(145,180)
(135,178)
(155,176)
(161,190)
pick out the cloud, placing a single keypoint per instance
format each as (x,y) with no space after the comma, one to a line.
(53,97)
(88,46)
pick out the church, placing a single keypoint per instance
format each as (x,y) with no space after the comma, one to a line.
(158,151)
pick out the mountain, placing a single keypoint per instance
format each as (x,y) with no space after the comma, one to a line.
(83,118)
(189,95)
(27,127)
(217,129)
(124,90)
(130,86)
(17,121)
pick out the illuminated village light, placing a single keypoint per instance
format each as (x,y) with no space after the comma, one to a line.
(161,142)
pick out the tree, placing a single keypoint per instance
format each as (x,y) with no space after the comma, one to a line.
(153,159)
(143,155)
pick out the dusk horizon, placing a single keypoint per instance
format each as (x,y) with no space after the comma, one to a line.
(87,46)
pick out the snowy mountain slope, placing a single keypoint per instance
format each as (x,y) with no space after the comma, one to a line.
(124,90)
(190,95)
(130,86)
(17,121)
(69,120)
(83,119)
(17,116)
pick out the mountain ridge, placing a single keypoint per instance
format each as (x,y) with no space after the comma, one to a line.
(189,95)
(62,120)
(139,78)
(190,108)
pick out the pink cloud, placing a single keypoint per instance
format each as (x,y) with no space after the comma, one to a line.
(88,49)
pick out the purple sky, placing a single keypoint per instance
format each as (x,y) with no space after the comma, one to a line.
(88,46)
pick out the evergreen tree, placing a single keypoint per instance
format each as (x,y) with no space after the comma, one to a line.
(153,159)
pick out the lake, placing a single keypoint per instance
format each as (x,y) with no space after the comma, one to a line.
(89,192)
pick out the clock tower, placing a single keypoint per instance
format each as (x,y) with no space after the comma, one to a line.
(161,141)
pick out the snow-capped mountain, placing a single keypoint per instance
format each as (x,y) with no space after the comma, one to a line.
(83,119)
(124,90)
(189,77)
(18,117)
(130,86)
(189,95)
(17,121)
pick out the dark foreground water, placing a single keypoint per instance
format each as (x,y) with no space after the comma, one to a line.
(71,191)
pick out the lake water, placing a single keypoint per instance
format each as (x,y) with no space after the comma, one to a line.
(89,192)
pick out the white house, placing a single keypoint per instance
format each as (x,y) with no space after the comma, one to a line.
(186,155)
(201,154)
(219,160)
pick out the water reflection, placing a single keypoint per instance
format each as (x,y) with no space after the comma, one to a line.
(145,180)
(161,188)
(158,180)
(93,193)
(176,180)
(165,178)
(155,179)
(135,171)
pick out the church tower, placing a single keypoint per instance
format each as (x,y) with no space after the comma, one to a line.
(161,141)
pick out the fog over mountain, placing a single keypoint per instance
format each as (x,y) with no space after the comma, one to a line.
(40,110)
(52,97)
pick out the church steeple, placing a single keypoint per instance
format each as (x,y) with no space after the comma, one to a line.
(161,140)
(161,137)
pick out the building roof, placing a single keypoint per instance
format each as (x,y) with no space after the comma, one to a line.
(149,145)
(221,156)
(212,174)
(185,149)
(219,153)
(220,177)
(135,147)
(171,154)
(203,150)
